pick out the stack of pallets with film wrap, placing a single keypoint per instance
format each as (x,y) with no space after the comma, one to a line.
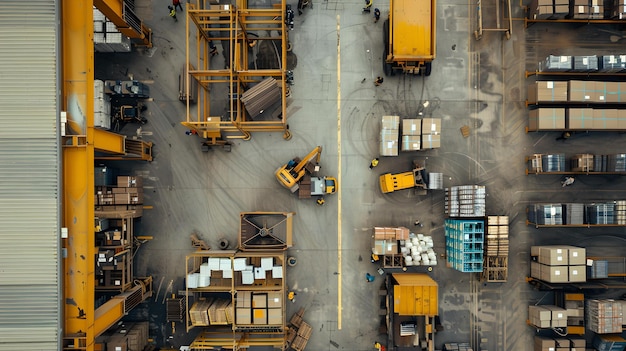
(495,267)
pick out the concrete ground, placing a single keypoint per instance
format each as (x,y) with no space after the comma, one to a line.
(476,83)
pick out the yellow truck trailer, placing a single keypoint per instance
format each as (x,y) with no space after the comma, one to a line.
(409,37)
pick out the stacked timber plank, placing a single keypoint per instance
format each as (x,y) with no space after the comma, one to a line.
(495,267)
(261,96)
(298,332)
(558,263)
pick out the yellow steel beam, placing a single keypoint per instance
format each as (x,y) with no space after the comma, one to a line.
(78,176)
(125,20)
(108,142)
(108,314)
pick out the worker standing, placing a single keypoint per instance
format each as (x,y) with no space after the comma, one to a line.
(321,201)
(292,296)
(368,6)
(172,13)
(378,81)
(374,163)
(564,136)
(369,278)
(376,15)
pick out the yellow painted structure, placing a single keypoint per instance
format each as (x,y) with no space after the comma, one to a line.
(415,295)
(125,20)
(242,27)
(411,34)
(82,322)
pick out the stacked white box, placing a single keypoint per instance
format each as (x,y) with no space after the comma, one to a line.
(277,272)
(239,264)
(247,277)
(267,263)
(259,273)
(192,280)
(539,316)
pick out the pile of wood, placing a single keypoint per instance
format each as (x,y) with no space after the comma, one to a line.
(495,266)
(261,96)
(298,332)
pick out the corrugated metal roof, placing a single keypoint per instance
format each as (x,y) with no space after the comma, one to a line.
(29,176)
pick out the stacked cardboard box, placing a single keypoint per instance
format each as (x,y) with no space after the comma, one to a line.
(604,316)
(221,312)
(431,133)
(259,308)
(597,9)
(411,134)
(128,337)
(547,316)
(543,343)
(497,236)
(547,91)
(614,63)
(582,163)
(582,9)
(561,8)
(575,306)
(385,240)
(541,9)
(619,9)
(198,313)
(126,197)
(558,264)
(389,135)
(546,119)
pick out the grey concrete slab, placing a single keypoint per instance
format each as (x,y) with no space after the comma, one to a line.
(476,83)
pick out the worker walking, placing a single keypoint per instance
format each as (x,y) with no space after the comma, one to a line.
(378,346)
(374,163)
(213,49)
(567,182)
(418,223)
(172,13)
(321,201)
(376,15)
(177,4)
(378,81)
(368,6)
(369,278)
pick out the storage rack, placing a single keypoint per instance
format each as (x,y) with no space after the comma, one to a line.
(577,215)
(580,164)
(464,244)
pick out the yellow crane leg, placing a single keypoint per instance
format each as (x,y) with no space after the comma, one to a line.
(78,177)
(108,142)
(114,10)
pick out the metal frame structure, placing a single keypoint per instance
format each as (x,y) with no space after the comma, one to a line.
(478,34)
(242,27)
(122,15)
(82,322)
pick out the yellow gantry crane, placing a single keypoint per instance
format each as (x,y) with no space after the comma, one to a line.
(80,140)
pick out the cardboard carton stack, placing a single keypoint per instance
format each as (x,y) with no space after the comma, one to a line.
(585,63)
(198,313)
(259,308)
(604,316)
(431,133)
(619,9)
(575,306)
(546,119)
(582,9)
(221,312)
(127,196)
(547,316)
(385,240)
(614,63)
(541,9)
(582,163)
(389,135)
(497,236)
(558,264)
(597,9)
(543,343)
(128,337)
(547,91)
(411,134)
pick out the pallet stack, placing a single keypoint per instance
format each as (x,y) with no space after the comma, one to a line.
(466,201)
(464,244)
(604,316)
(495,268)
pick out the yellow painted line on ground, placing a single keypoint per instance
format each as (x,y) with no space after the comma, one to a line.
(339,308)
